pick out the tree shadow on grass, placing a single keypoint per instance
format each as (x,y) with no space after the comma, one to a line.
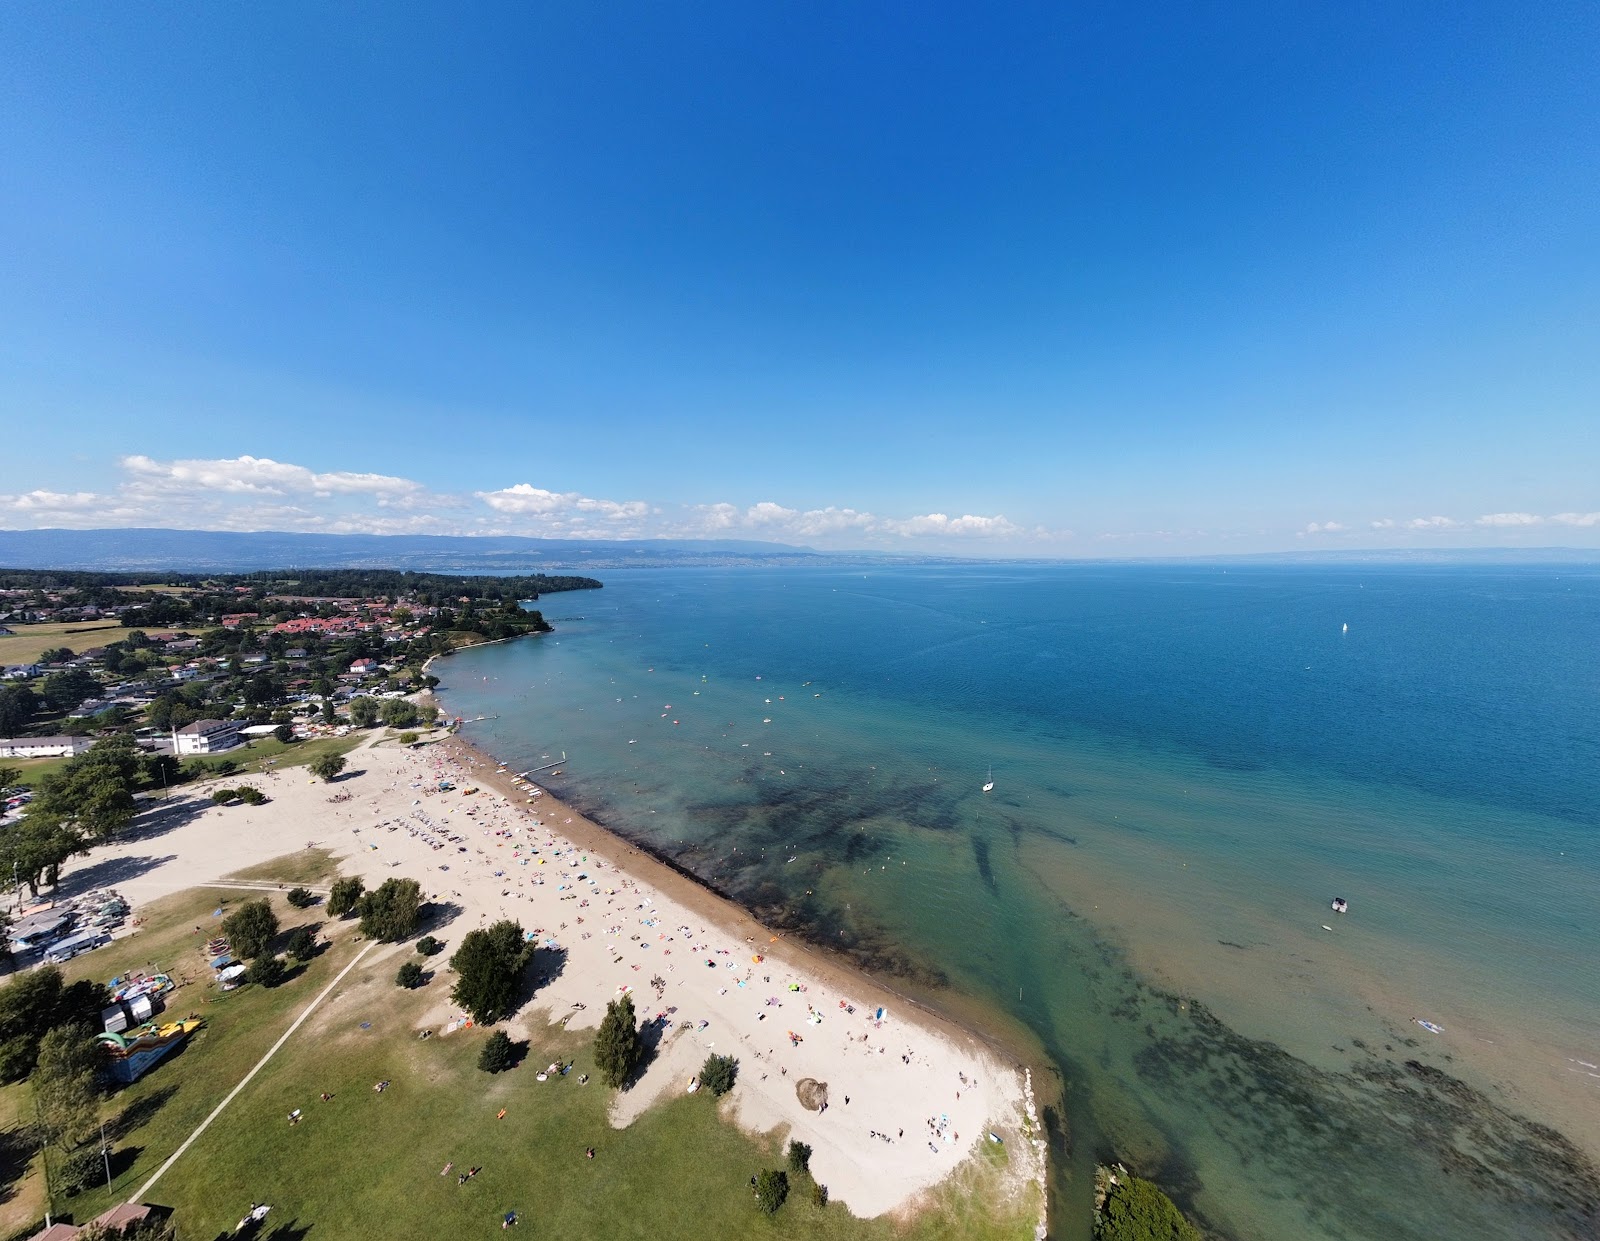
(123,1159)
(139,1113)
(652,1034)
(436,915)
(17,1148)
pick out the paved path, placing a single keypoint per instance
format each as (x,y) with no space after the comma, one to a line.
(144,1190)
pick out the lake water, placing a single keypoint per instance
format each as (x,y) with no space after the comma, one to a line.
(1189,763)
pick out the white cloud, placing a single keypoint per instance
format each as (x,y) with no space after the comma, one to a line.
(262,476)
(780,522)
(52,502)
(1433,523)
(526,500)
(1384,523)
(1577,519)
(1324,527)
(1509,520)
(969,526)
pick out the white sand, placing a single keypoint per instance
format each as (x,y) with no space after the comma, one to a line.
(929,1092)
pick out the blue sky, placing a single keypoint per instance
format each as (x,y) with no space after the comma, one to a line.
(1023,279)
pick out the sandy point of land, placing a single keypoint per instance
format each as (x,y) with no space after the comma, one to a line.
(909,1098)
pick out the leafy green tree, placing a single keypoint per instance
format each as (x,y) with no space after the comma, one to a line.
(302,945)
(250,795)
(93,793)
(39,1000)
(18,706)
(83,1170)
(250,928)
(1137,1210)
(345,895)
(718,1073)
(819,1194)
(428,946)
(266,971)
(392,910)
(283,733)
(222,797)
(616,1043)
(66,1090)
(398,713)
(799,1157)
(409,976)
(498,1054)
(326,766)
(64,690)
(330,713)
(488,966)
(363,712)
(35,850)
(9,776)
(772,1188)
(301,898)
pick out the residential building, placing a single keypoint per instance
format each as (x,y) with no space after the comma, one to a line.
(44,747)
(206,737)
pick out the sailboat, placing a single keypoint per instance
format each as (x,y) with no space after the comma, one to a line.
(990,785)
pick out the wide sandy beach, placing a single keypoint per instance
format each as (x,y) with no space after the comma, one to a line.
(909,1097)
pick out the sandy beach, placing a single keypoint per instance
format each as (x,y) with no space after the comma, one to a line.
(908,1097)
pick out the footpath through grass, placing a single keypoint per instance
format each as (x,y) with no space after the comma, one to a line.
(366,1164)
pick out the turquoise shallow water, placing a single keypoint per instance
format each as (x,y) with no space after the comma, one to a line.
(1188,762)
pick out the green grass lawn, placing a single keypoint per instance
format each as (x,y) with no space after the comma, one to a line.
(309,866)
(30,641)
(264,753)
(367,1165)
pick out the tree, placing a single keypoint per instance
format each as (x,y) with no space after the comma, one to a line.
(407,738)
(250,928)
(93,793)
(36,1001)
(616,1043)
(363,712)
(283,733)
(488,966)
(772,1187)
(428,946)
(267,971)
(819,1194)
(302,945)
(398,713)
(717,1074)
(301,898)
(222,797)
(35,849)
(409,976)
(65,1087)
(799,1157)
(250,795)
(64,690)
(18,706)
(80,1171)
(1137,1210)
(392,910)
(498,1054)
(345,895)
(9,776)
(326,766)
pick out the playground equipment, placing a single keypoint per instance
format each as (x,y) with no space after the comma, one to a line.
(131,1055)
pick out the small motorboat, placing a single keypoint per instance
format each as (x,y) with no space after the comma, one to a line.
(1340,905)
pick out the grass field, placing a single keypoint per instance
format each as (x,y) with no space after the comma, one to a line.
(367,1165)
(30,641)
(308,866)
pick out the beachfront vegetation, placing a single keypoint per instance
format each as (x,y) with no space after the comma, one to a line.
(266,971)
(428,946)
(301,944)
(616,1043)
(345,895)
(409,976)
(679,1172)
(499,1053)
(799,1157)
(35,1002)
(1137,1210)
(301,898)
(772,1190)
(489,965)
(326,766)
(391,911)
(66,1092)
(718,1073)
(250,928)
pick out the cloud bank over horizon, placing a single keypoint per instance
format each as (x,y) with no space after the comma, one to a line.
(250,493)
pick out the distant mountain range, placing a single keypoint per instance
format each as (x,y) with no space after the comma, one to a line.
(226,551)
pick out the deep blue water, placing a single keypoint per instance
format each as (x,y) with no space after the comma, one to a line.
(1188,762)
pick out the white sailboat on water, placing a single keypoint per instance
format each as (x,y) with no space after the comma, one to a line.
(990,785)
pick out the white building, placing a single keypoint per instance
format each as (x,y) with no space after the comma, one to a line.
(44,747)
(206,737)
